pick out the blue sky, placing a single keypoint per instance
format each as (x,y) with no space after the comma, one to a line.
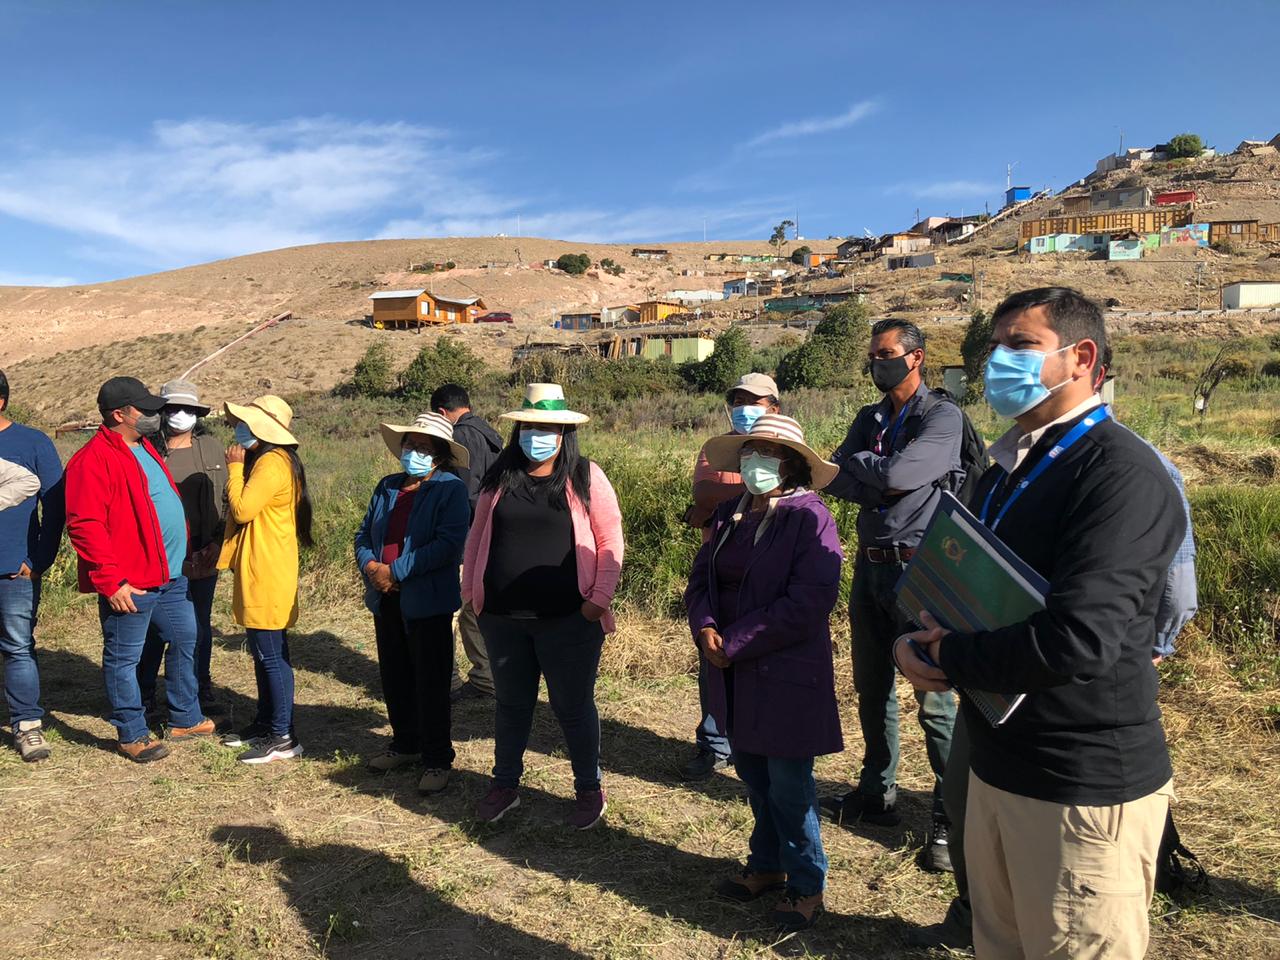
(138,136)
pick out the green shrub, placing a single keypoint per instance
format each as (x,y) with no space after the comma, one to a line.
(832,356)
(373,375)
(1271,368)
(446,361)
(573,263)
(973,352)
(721,370)
(798,255)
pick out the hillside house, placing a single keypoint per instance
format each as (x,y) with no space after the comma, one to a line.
(1075,203)
(621,315)
(1120,198)
(1127,247)
(1192,235)
(856,247)
(578,321)
(1139,221)
(656,311)
(811,301)
(929,224)
(1174,196)
(695,296)
(1016,195)
(1250,293)
(401,309)
(740,287)
(951,230)
(650,253)
(901,244)
(912,261)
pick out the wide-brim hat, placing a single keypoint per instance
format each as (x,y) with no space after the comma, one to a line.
(723,452)
(426,425)
(268,417)
(545,403)
(182,393)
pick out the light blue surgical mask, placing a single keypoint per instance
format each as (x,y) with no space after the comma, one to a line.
(416,463)
(743,418)
(539,445)
(244,436)
(761,474)
(1012,377)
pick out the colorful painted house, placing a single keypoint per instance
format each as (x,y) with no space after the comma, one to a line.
(655,311)
(1126,249)
(679,347)
(1016,195)
(1192,235)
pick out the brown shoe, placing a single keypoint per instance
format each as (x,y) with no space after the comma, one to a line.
(750,884)
(795,912)
(434,780)
(145,750)
(204,728)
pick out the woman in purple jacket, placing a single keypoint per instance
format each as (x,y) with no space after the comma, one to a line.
(760,597)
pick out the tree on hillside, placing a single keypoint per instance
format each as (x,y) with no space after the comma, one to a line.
(1185,145)
(726,365)
(780,233)
(973,351)
(833,354)
(798,255)
(573,263)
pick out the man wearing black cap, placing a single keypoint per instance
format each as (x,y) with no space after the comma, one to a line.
(126,522)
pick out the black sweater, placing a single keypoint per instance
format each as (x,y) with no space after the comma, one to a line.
(1101,525)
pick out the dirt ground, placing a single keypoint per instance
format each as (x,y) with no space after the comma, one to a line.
(198,856)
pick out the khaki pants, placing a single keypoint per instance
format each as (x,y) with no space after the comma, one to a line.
(1049,880)
(473,645)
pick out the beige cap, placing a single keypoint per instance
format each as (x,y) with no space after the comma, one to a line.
(756,384)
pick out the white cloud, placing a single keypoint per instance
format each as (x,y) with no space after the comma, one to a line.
(12,279)
(946,189)
(814,125)
(203,189)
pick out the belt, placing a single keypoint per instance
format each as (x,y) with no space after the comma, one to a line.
(894,554)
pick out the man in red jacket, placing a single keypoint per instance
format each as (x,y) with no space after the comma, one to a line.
(126,522)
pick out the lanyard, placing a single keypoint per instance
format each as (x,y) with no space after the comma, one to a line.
(893,435)
(1048,460)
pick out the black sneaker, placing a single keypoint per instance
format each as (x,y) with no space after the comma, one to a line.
(856,807)
(703,765)
(243,738)
(955,932)
(936,855)
(273,747)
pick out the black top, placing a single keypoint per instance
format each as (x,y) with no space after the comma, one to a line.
(483,444)
(532,570)
(1101,525)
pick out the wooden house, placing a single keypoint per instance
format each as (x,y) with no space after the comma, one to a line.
(902,244)
(650,253)
(655,311)
(401,309)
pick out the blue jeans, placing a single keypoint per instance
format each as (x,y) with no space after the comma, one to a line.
(786,838)
(565,650)
(708,735)
(19,601)
(124,635)
(875,622)
(273,670)
(200,593)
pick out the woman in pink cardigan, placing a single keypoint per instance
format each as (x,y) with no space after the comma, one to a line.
(540,568)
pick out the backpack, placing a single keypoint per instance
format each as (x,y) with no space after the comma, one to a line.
(973,449)
(1176,866)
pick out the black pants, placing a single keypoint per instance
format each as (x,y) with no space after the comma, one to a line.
(415,658)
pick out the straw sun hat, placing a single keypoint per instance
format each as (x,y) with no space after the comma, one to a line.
(545,403)
(268,417)
(426,425)
(723,452)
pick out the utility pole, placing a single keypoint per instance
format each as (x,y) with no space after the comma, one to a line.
(1008,175)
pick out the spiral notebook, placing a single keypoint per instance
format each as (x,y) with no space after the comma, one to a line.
(966,577)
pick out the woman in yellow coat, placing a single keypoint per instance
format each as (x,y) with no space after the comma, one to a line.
(268,515)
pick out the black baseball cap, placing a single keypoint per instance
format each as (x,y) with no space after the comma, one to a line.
(120,392)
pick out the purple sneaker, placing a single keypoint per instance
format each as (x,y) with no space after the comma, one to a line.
(496,803)
(588,809)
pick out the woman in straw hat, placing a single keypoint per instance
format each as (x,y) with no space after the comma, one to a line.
(409,549)
(542,562)
(268,516)
(759,598)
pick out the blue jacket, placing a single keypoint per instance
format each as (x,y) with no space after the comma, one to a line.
(428,566)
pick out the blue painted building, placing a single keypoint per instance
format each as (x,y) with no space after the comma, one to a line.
(1016,195)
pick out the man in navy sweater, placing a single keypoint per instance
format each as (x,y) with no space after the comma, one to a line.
(29,537)
(1068,798)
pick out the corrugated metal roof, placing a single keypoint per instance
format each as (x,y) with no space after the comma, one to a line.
(463,301)
(397,294)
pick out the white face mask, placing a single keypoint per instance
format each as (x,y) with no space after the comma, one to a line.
(180,421)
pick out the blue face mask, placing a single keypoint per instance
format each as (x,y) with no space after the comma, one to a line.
(539,445)
(416,463)
(245,437)
(1013,384)
(743,418)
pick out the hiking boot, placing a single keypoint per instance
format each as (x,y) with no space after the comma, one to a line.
(955,932)
(247,736)
(391,759)
(588,808)
(273,747)
(204,728)
(796,911)
(748,884)
(469,691)
(703,764)
(936,855)
(434,779)
(855,806)
(496,803)
(28,737)
(146,750)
